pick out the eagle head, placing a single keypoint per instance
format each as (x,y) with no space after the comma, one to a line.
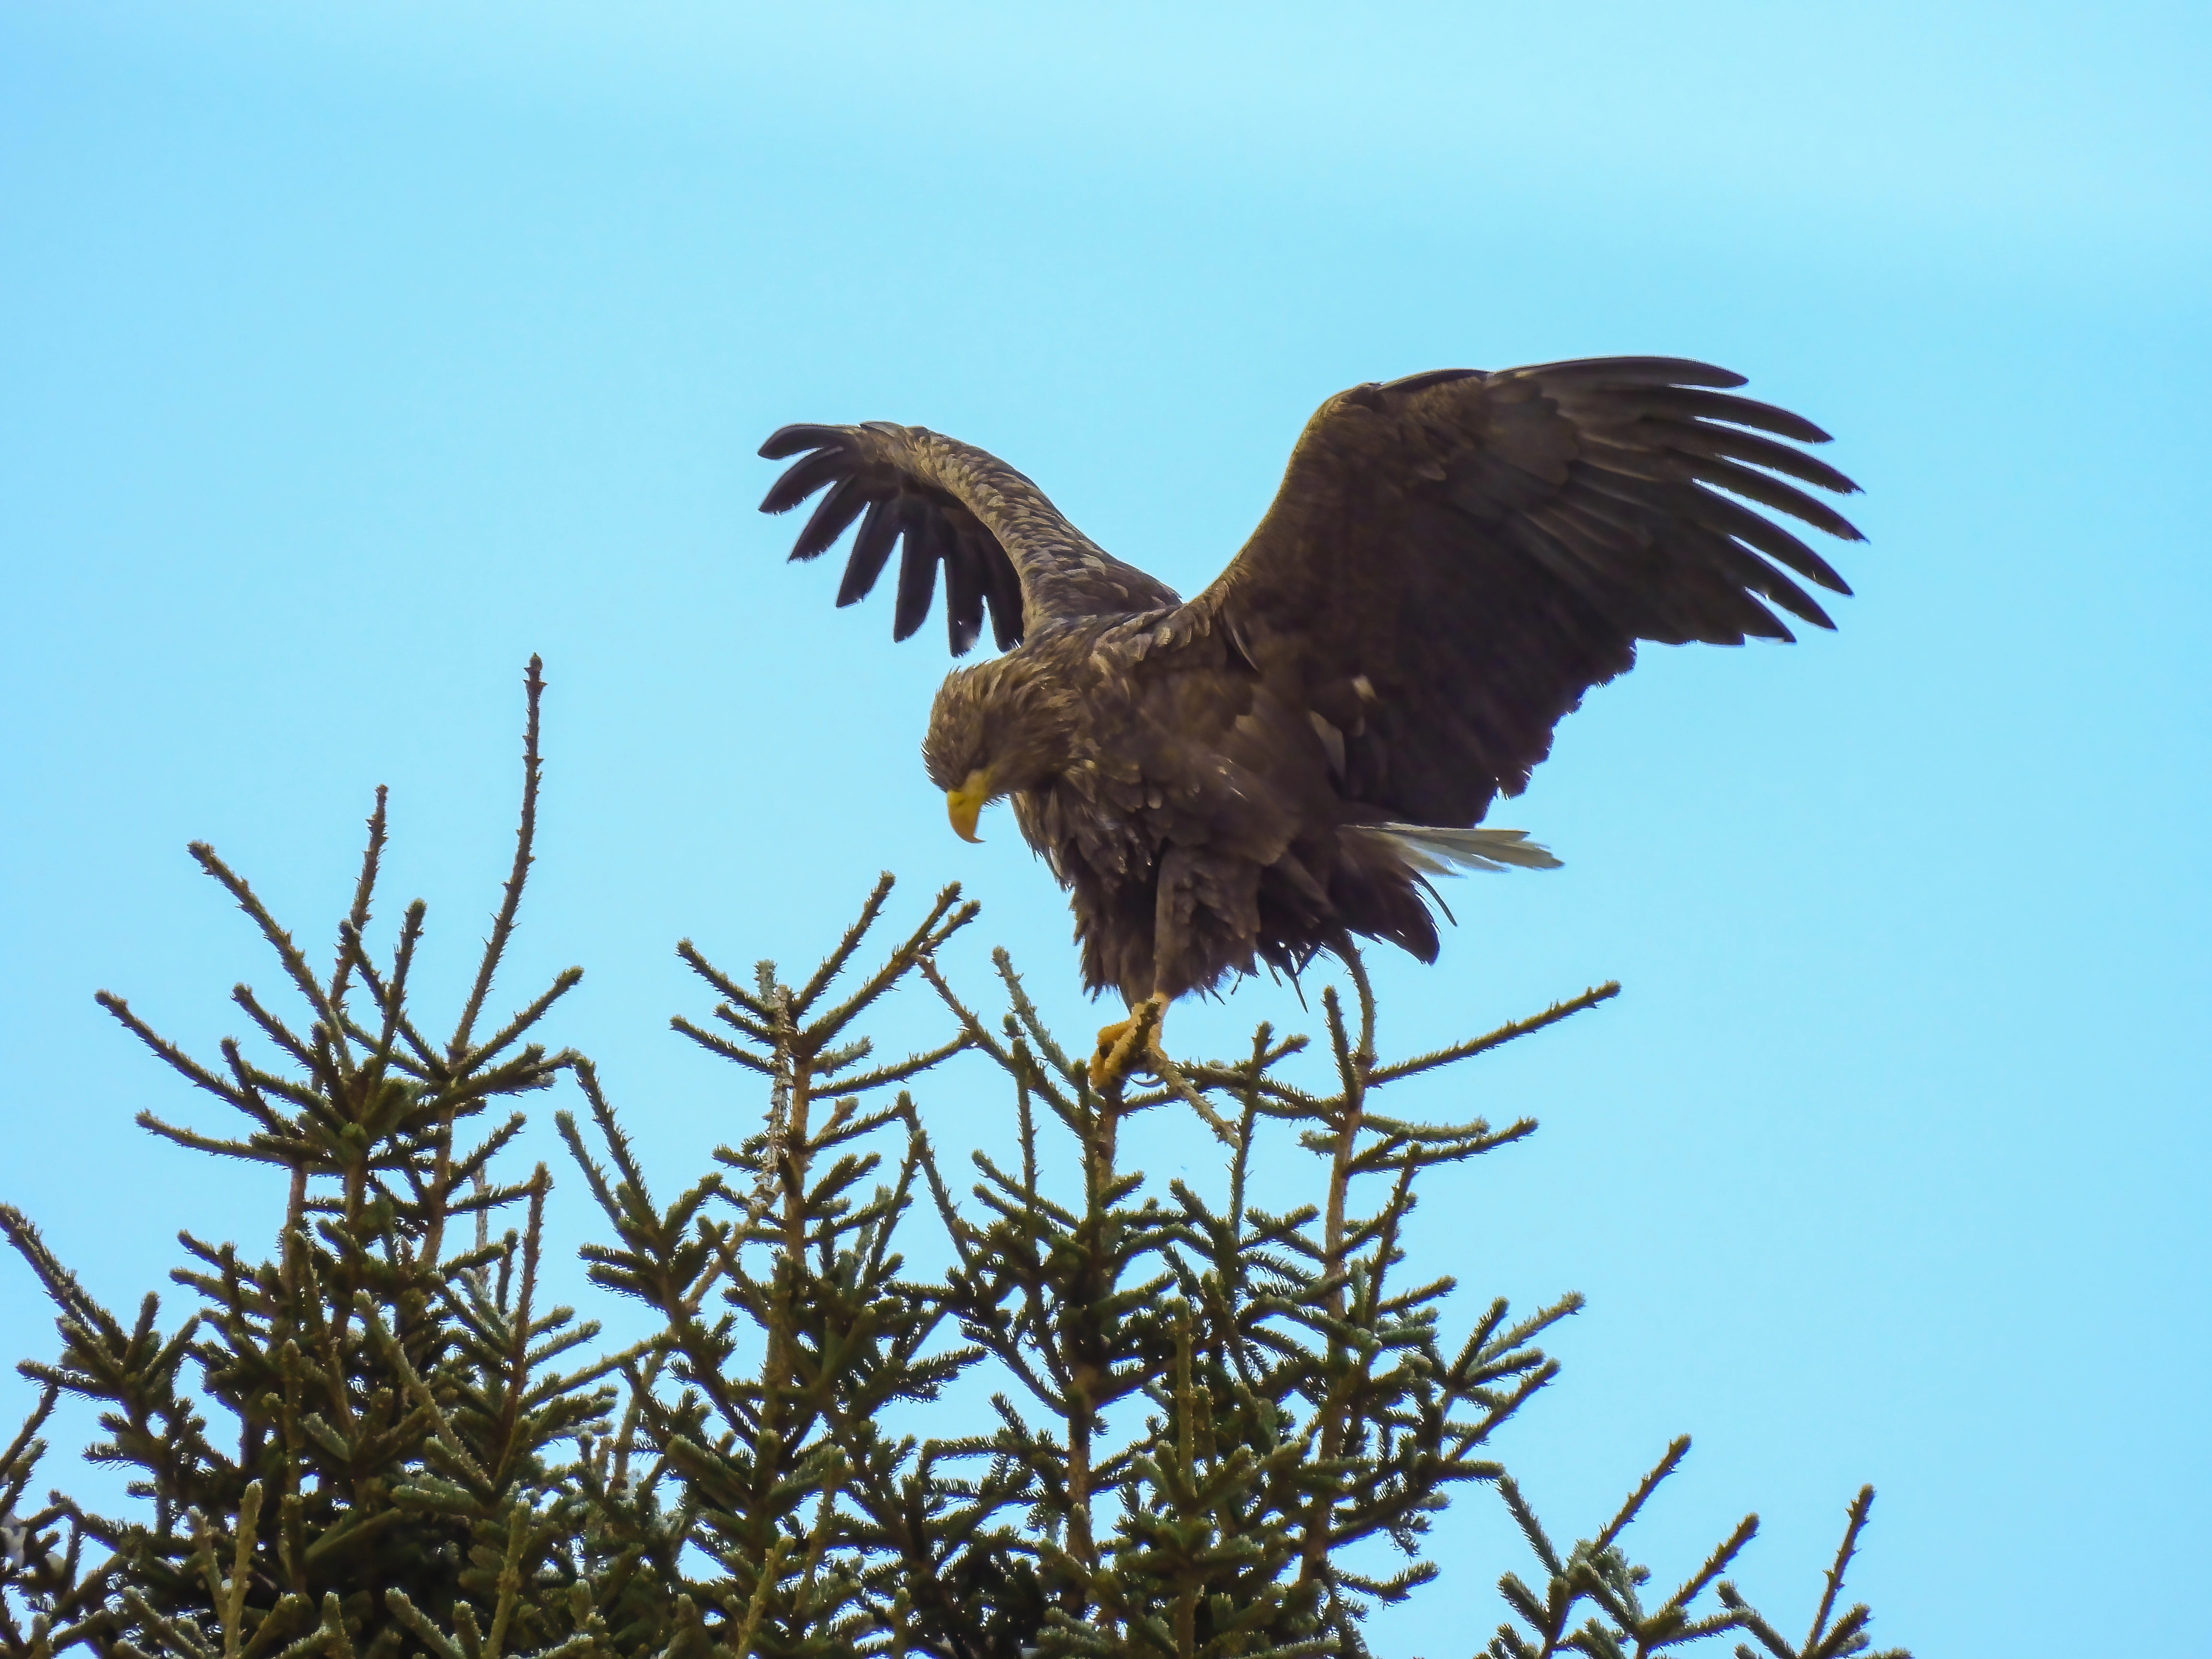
(995,728)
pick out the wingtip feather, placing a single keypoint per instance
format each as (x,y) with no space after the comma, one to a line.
(1635,372)
(788,441)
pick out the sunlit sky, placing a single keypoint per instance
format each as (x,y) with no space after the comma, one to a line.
(349,354)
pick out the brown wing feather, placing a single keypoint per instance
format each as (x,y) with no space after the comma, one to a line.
(1004,546)
(1454,559)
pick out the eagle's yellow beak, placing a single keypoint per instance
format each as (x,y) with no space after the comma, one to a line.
(962,804)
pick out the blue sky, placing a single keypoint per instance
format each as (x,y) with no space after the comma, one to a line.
(347,356)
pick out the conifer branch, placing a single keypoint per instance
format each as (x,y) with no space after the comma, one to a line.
(357,919)
(723,1046)
(503,926)
(1225,1403)
(946,917)
(1677,1450)
(912,1066)
(728,987)
(842,951)
(564,982)
(170,1054)
(273,1028)
(296,965)
(426,1062)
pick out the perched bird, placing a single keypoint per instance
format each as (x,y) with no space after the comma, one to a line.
(1254,774)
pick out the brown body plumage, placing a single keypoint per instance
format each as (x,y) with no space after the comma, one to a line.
(1451,561)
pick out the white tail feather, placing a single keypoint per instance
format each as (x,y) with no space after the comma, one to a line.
(1438,852)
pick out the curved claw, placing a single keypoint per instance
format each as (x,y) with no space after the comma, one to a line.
(1128,1045)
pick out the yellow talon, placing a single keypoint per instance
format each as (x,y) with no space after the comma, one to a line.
(1128,1044)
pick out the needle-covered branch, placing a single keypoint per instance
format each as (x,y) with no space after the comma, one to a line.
(1097,1414)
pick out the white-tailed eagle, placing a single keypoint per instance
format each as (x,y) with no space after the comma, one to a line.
(1255,774)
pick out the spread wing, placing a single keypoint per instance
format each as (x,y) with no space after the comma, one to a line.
(1003,545)
(1454,558)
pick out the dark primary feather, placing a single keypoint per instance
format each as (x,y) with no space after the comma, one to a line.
(917,578)
(872,550)
(1610,371)
(1682,400)
(831,518)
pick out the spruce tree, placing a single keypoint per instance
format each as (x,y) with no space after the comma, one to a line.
(377,1442)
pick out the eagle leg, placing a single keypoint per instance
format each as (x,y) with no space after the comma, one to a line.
(1127,1045)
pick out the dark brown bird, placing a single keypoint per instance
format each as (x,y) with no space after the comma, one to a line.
(1254,776)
